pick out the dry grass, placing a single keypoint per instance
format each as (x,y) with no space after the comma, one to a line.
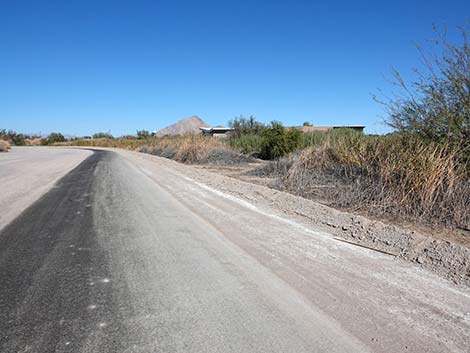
(392,176)
(126,143)
(195,149)
(33,141)
(4,146)
(191,149)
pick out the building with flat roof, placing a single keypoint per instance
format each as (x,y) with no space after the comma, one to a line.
(215,131)
(311,128)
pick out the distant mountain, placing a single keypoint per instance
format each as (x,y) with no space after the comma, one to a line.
(189,125)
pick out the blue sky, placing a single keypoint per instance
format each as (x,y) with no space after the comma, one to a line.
(84,66)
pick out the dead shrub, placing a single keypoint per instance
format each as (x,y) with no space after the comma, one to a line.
(277,168)
(194,149)
(4,146)
(33,141)
(166,152)
(225,156)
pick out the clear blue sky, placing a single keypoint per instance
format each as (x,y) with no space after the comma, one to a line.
(84,66)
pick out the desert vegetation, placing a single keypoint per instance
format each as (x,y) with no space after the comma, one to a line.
(436,105)
(4,146)
(393,176)
(103,135)
(190,149)
(195,149)
(52,138)
(265,141)
(13,138)
(420,172)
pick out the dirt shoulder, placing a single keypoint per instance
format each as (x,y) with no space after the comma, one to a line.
(244,172)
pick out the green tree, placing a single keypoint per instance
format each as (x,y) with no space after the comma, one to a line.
(54,137)
(103,135)
(277,141)
(436,105)
(13,137)
(143,134)
(245,126)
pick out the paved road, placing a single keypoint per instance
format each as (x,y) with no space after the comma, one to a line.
(26,173)
(125,255)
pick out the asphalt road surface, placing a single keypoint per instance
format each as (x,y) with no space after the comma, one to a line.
(26,173)
(124,254)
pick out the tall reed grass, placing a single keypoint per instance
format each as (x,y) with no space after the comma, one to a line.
(394,176)
(248,143)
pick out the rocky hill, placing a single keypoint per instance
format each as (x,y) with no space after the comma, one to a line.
(184,126)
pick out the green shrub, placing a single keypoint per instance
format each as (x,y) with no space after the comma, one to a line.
(54,137)
(246,143)
(246,134)
(143,134)
(242,126)
(102,135)
(277,141)
(436,105)
(13,137)
(17,139)
(316,138)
